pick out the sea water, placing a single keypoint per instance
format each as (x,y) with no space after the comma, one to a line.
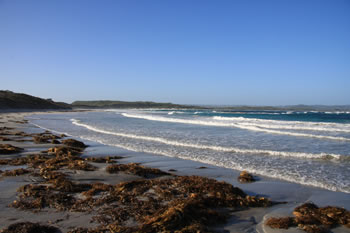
(310,148)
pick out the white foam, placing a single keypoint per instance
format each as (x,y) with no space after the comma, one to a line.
(215,148)
(207,122)
(226,163)
(294,125)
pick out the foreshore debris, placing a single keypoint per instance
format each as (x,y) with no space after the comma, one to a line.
(245,177)
(313,219)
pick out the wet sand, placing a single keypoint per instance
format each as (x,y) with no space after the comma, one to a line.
(247,220)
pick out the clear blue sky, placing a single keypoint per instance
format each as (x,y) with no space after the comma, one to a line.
(184,51)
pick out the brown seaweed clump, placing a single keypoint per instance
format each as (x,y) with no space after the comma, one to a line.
(74,143)
(64,151)
(29,227)
(9,149)
(58,195)
(45,138)
(312,219)
(245,177)
(108,159)
(281,223)
(183,214)
(14,162)
(183,203)
(15,172)
(81,165)
(136,169)
(4,138)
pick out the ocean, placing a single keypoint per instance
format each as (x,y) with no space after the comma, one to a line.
(310,148)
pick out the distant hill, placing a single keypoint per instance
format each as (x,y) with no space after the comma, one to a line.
(11,100)
(125,104)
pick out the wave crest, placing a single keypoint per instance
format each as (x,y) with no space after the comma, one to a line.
(324,156)
(209,122)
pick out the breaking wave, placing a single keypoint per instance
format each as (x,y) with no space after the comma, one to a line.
(324,156)
(225,123)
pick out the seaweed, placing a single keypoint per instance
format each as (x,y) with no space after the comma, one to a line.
(310,218)
(74,143)
(65,151)
(4,138)
(245,177)
(181,214)
(281,223)
(108,159)
(136,169)
(29,227)
(81,165)
(9,149)
(45,138)
(15,172)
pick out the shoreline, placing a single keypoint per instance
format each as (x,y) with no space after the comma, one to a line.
(241,221)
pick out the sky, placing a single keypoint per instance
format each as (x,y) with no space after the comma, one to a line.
(224,52)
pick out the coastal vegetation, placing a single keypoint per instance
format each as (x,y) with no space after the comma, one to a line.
(12,100)
(126,104)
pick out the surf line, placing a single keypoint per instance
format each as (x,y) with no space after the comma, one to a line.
(215,148)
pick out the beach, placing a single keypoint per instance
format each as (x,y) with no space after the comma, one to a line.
(283,195)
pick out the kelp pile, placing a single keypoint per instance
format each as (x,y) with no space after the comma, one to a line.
(245,177)
(313,219)
(151,203)
(9,149)
(185,203)
(15,172)
(108,159)
(28,227)
(136,169)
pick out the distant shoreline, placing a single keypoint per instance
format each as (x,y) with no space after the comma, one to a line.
(18,102)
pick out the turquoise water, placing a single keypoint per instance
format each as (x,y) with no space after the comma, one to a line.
(310,148)
(312,116)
